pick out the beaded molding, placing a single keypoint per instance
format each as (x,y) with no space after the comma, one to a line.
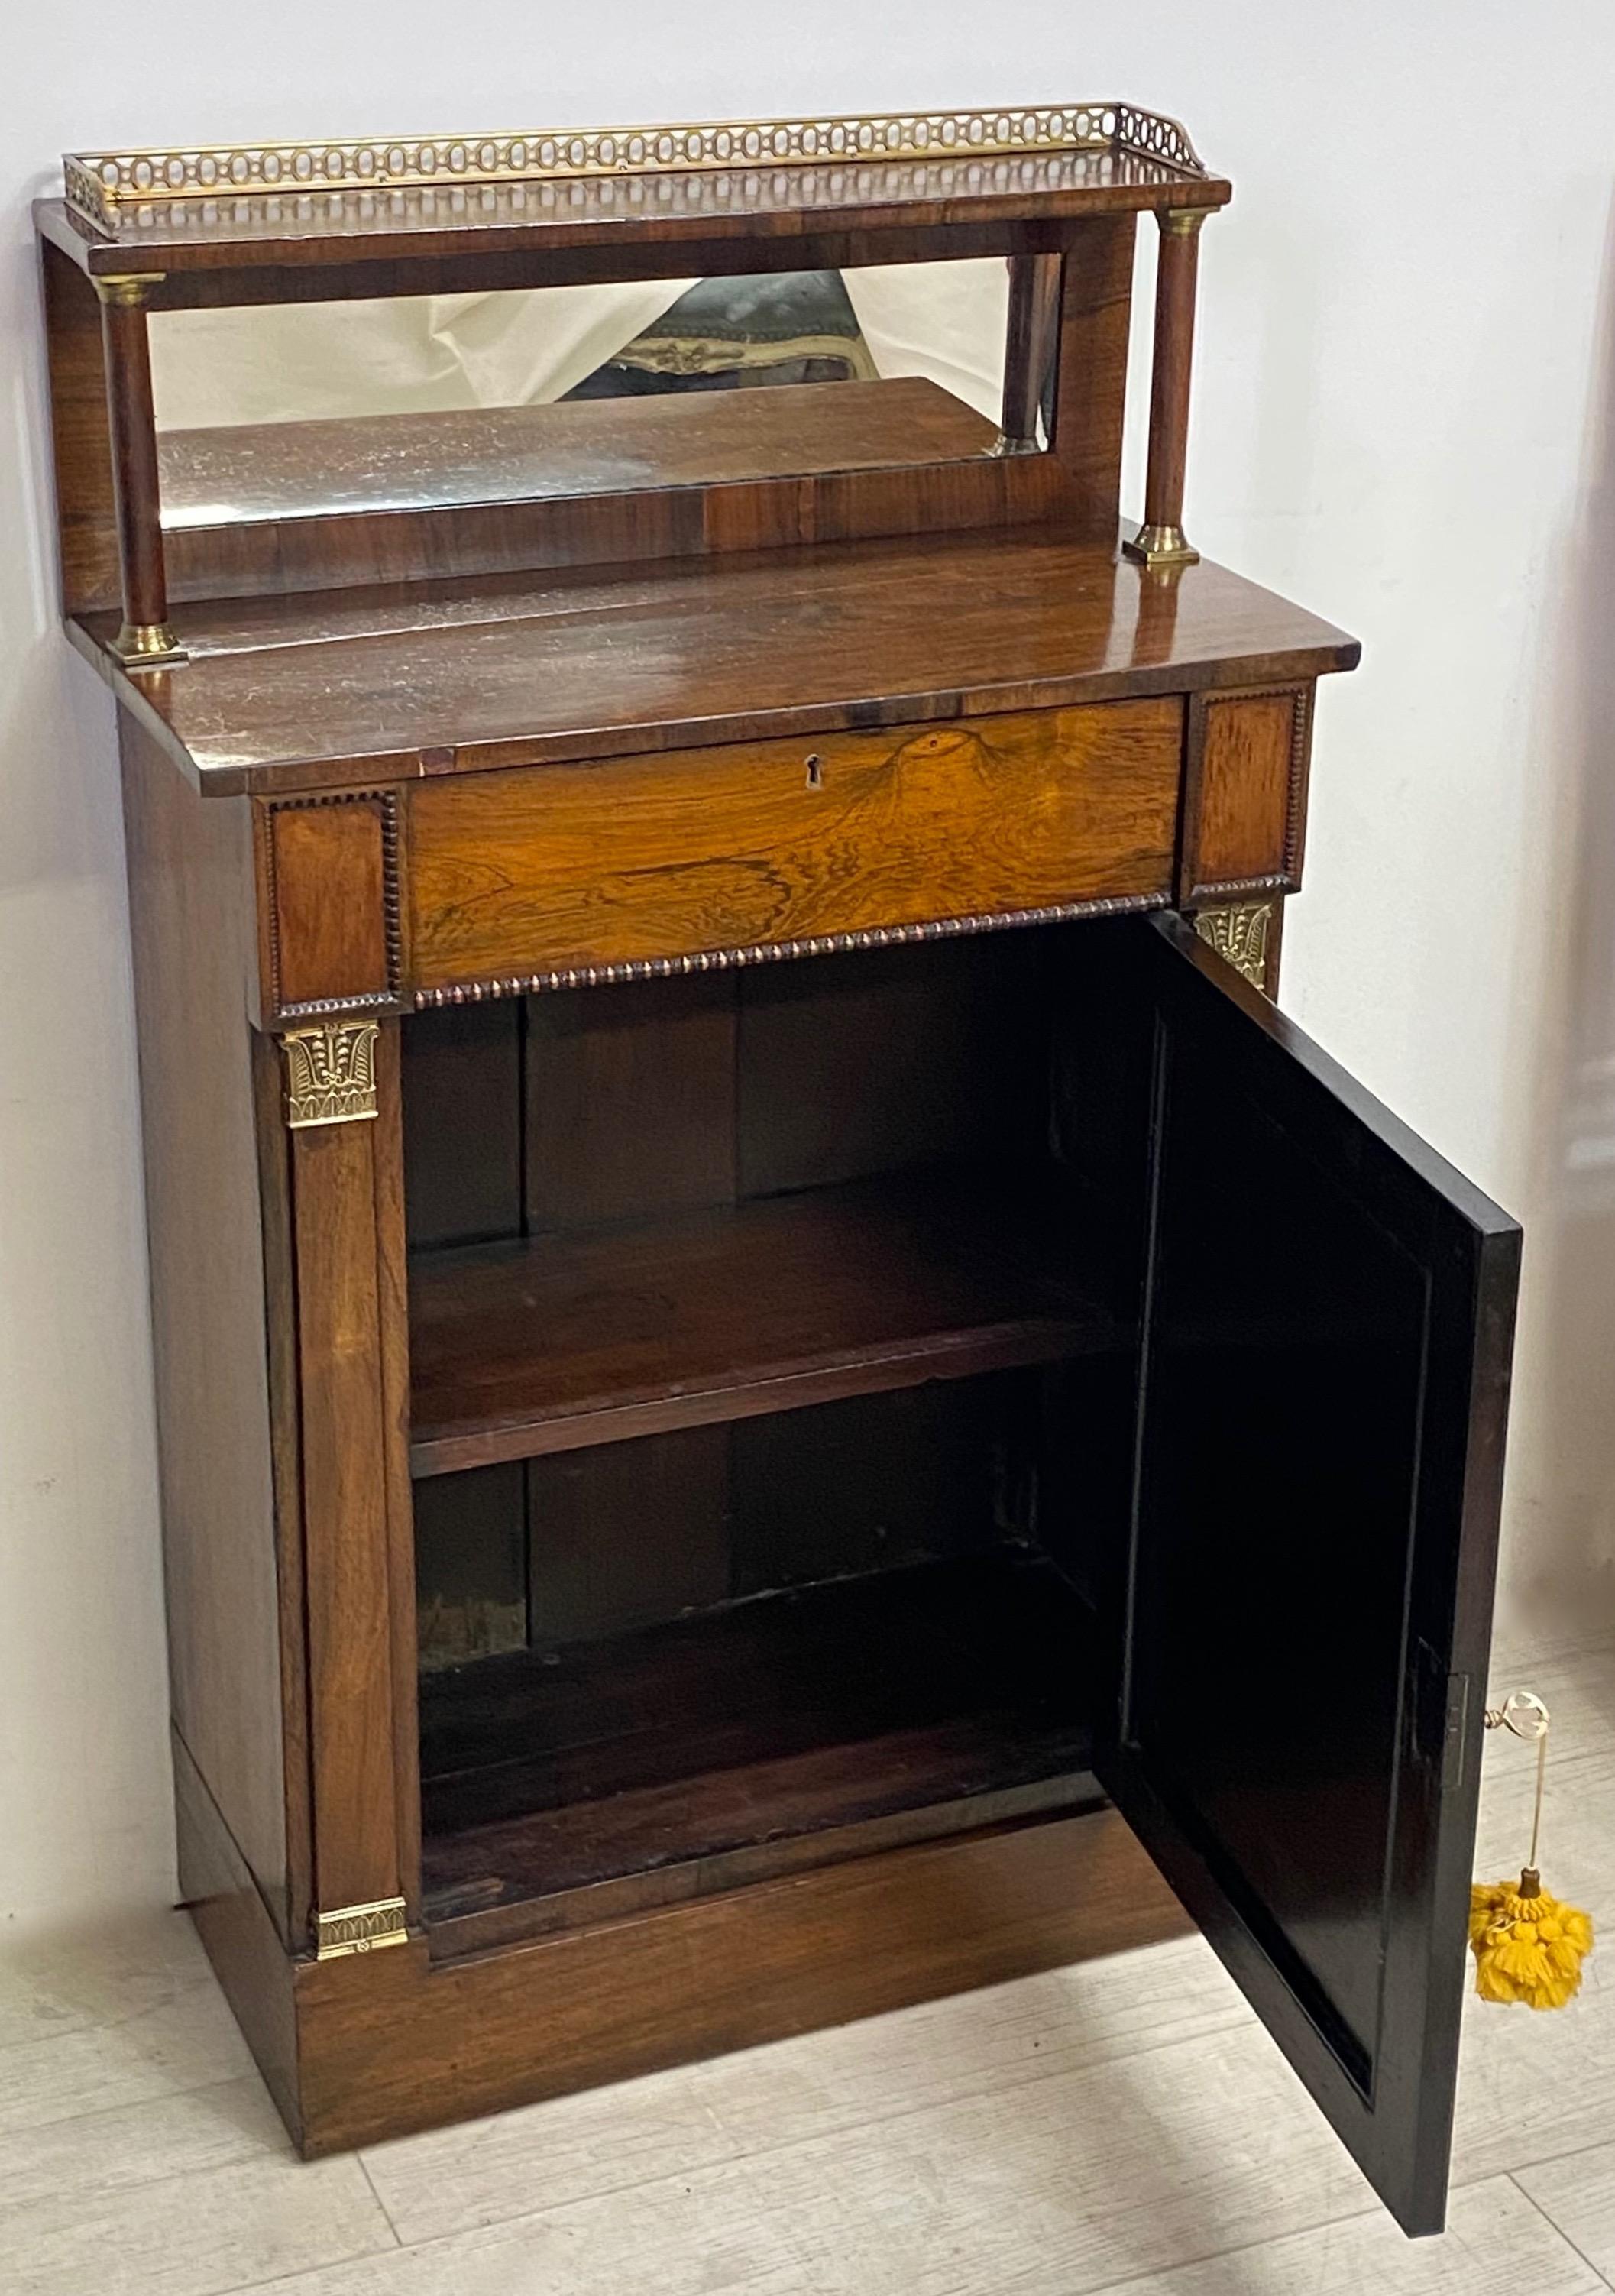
(775,952)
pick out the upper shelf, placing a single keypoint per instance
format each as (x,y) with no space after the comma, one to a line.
(239,207)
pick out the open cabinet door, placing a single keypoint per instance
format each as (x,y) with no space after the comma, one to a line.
(1328,1319)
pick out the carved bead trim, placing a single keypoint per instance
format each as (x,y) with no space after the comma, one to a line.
(98,183)
(1239,935)
(331,1073)
(727,960)
(392,904)
(359,1929)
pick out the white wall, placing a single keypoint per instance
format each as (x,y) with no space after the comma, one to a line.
(1400,419)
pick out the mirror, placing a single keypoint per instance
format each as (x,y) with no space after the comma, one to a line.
(457,400)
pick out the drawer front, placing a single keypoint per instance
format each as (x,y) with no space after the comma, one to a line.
(529,877)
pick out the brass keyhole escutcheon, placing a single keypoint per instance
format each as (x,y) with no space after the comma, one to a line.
(816,771)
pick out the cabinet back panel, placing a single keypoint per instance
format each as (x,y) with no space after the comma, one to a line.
(597,1542)
(628,1534)
(462,1125)
(850,1066)
(630,1101)
(596,1104)
(470,1564)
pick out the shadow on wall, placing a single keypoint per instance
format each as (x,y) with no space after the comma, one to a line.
(1568,1337)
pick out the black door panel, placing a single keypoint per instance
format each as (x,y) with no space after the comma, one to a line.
(1327,1328)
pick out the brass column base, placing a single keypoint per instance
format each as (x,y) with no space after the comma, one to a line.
(1161,546)
(148,645)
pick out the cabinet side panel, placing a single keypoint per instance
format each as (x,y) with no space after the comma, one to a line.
(85,514)
(1091,387)
(189,887)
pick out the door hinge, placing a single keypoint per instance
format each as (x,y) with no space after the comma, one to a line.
(1455,1739)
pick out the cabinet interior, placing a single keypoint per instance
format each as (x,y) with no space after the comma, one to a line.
(765,1327)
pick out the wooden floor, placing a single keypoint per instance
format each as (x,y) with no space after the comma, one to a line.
(1123,2126)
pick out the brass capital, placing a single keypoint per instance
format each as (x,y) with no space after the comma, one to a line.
(331,1073)
(1180,223)
(127,290)
(1239,935)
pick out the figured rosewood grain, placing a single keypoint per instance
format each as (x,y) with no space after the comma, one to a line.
(526,1348)
(1091,385)
(189,901)
(86,513)
(771,842)
(349,1283)
(330,886)
(390,2043)
(357,686)
(1245,801)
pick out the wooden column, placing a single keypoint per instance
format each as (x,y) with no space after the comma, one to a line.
(1160,540)
(146,641)
(1034,314)
(342,1107)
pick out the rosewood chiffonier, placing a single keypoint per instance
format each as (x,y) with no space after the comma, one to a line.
(782,1387)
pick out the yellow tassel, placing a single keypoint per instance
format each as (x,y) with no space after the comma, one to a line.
(1527,1946)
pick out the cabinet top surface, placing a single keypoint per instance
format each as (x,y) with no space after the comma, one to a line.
(245,207)
(293,692)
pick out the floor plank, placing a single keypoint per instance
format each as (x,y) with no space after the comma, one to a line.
(1577,2193)
(190,2043)
(1119,2130)
(1531,2087)
(704,2237)
(98,2155)
(1494,2239)
(54,1985)
(843,2084)
(195,2235)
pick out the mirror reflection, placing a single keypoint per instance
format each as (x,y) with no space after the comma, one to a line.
(513,396)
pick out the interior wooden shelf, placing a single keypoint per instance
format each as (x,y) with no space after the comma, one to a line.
(748,1740)
(549,1344)
(224,475)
